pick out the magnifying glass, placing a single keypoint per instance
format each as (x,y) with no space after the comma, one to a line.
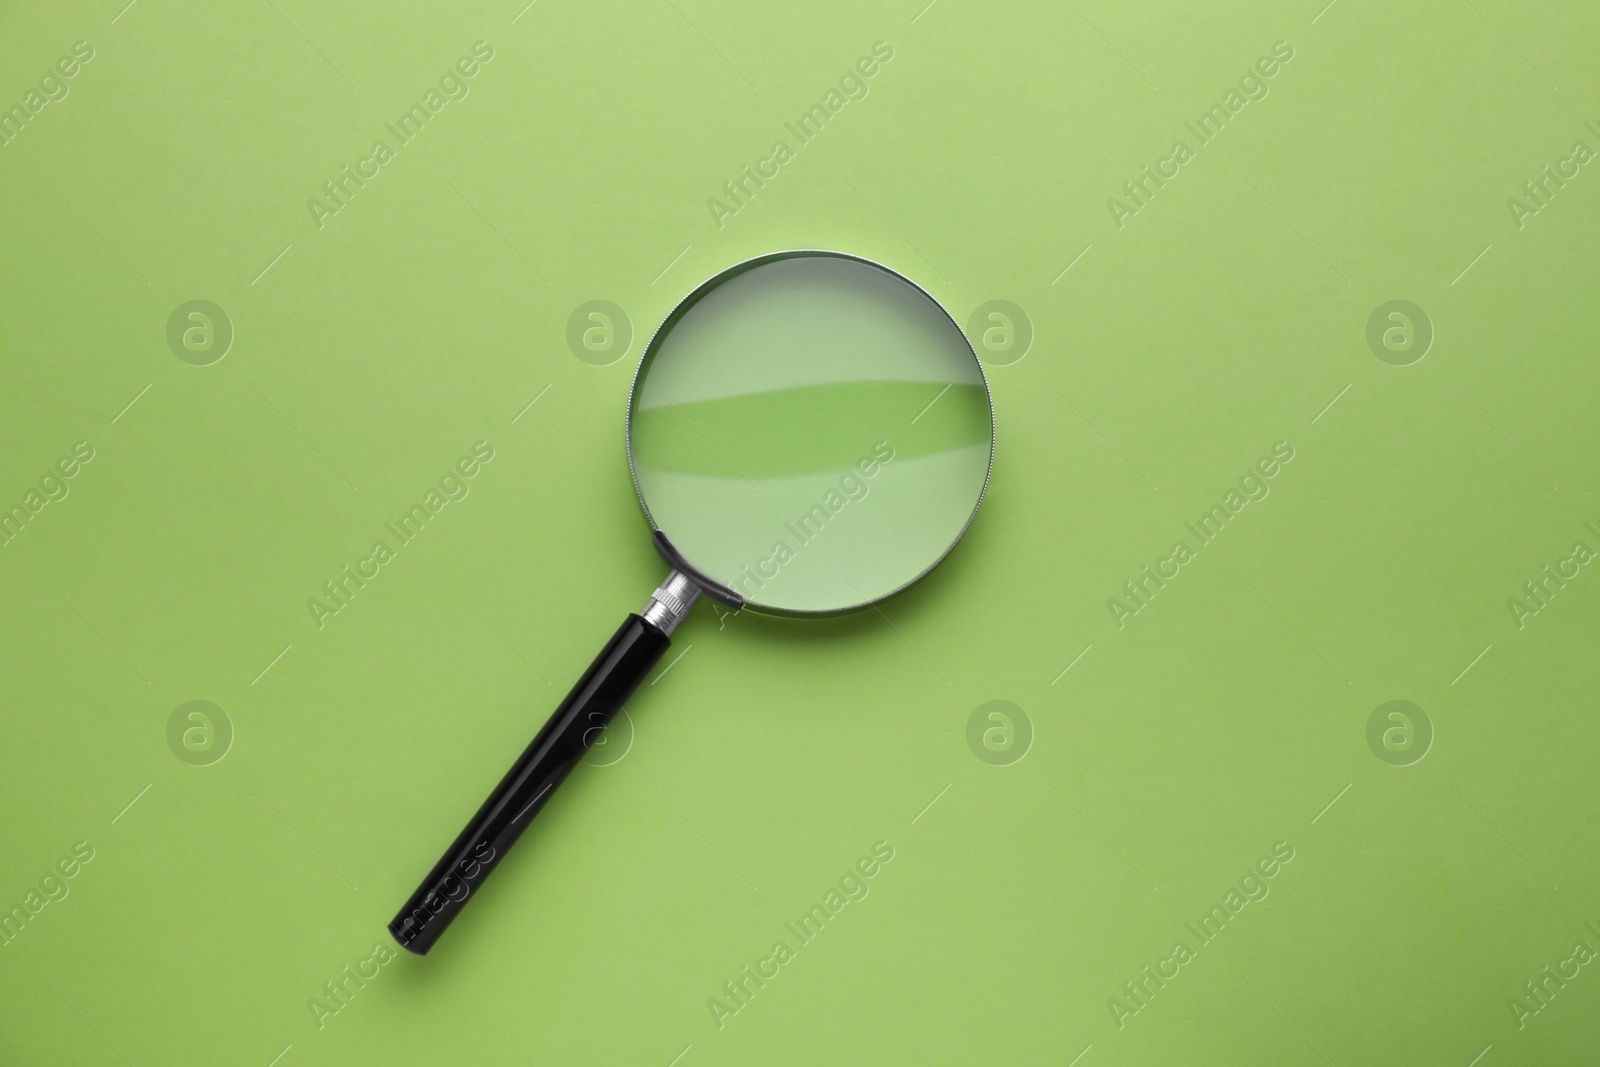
(809,433)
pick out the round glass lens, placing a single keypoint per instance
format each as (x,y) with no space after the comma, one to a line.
(811,431)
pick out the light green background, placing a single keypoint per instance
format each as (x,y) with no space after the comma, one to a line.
(1222,318)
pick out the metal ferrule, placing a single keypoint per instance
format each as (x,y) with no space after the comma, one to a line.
(669,605)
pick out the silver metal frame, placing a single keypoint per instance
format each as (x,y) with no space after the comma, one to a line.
(695,296)
(670,603)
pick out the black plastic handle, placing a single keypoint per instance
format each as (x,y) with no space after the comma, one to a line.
(599,694)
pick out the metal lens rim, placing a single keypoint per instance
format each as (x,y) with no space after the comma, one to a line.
(712,586)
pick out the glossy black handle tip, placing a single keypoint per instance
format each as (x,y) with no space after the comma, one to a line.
(599,694)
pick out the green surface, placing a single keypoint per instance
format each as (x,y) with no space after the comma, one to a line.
(1209,330)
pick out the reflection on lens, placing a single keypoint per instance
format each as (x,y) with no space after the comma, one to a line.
(811,431)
